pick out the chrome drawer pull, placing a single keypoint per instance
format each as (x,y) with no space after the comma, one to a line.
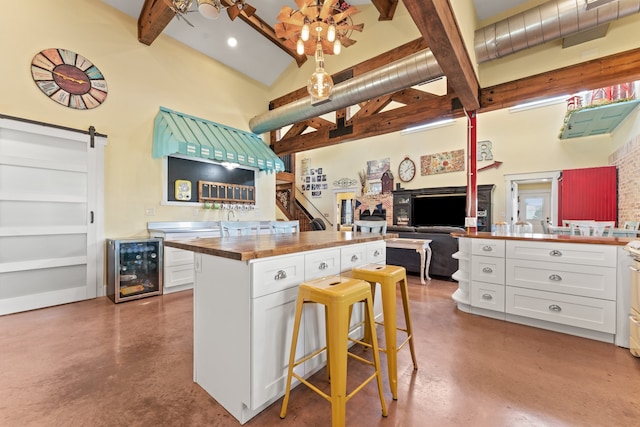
(487,248)
(323,266)
(487,270)
(555,252)
(376,253)
(556,308)
(354,258)
(280,275)
(487,296)
(555,278)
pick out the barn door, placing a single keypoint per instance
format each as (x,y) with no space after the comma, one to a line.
(589,194)
(50,215)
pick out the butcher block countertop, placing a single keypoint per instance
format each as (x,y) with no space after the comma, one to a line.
(559,238)
(267,245)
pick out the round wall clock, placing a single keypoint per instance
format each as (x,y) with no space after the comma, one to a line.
(406,170)
(69,79)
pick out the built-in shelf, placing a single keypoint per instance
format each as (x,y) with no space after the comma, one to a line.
(596,120)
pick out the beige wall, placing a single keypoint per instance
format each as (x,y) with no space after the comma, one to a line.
(525,141)
(141,79)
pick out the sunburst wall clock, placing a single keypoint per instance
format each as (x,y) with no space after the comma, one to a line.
(69,79)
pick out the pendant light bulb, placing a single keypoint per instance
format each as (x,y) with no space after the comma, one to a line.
(300,47)
(320,85)
(331,33)
(304,33)
(337,47)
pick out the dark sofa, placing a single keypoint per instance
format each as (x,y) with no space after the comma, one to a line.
(443,246)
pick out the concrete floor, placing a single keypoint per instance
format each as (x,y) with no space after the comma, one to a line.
(94,363)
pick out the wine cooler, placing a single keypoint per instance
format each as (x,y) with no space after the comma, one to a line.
(134,268)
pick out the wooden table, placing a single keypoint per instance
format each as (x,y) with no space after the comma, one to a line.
(419,245)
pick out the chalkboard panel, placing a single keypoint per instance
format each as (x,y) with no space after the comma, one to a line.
(194,171)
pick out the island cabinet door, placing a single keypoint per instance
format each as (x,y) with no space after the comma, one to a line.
(320,263)
(272,331)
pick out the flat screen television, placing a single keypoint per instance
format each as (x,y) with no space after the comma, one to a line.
(439,209)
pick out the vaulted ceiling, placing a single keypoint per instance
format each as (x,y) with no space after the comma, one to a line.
(264,57)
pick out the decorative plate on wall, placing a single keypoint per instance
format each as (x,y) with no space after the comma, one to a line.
(69,79)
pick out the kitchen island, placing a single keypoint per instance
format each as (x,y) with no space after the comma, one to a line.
(572,284)
(244,304)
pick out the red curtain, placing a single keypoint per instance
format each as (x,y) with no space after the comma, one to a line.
(589,194)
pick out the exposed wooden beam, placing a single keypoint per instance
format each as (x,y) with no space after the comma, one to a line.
(387,9)
(601,72)
(154,17)
(437,24)
(424,110)
(358,69)
(268,32)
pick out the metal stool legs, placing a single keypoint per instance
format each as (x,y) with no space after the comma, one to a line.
(338,296)
(389,277)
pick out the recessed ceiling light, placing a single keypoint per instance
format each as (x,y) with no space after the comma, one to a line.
(232,41)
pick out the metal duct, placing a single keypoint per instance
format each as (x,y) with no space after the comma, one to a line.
(551,20)
(412,70)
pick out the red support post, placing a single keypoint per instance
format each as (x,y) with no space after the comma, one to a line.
(472,166)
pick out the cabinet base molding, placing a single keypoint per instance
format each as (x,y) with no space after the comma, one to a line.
(558,327)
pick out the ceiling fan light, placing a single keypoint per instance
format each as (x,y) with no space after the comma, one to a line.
(337,47)
(300,47)
(209,9)
(331,33)
(304,33)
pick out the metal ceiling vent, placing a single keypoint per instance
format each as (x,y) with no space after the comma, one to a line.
(549,21)
(417,68)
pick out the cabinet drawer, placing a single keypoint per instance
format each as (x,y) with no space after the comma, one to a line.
(570,253)
(276,274)
(321,263)
(178,275)
(175,256)
(487,247)
(376,252)
(488,296)
(573,279)
(352,256)
(487,269)
(588,313)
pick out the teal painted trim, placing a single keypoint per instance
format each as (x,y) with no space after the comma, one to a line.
(175,132)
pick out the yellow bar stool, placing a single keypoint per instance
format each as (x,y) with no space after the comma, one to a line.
(389,276)
(337,294)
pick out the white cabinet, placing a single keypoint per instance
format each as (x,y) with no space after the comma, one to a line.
(244,314)
(487,275)
(51,215)
(561,286)
(178,263)
(569,284)
(178,269)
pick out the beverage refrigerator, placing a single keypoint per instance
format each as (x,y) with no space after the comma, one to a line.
(134,268)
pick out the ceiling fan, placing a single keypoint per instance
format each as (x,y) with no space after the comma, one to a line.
(317,19)
(211,8)
(180,8)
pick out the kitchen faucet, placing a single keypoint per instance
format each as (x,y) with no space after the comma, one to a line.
(229,215)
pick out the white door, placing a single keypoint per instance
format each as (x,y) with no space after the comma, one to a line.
(534,206)
(50,216)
